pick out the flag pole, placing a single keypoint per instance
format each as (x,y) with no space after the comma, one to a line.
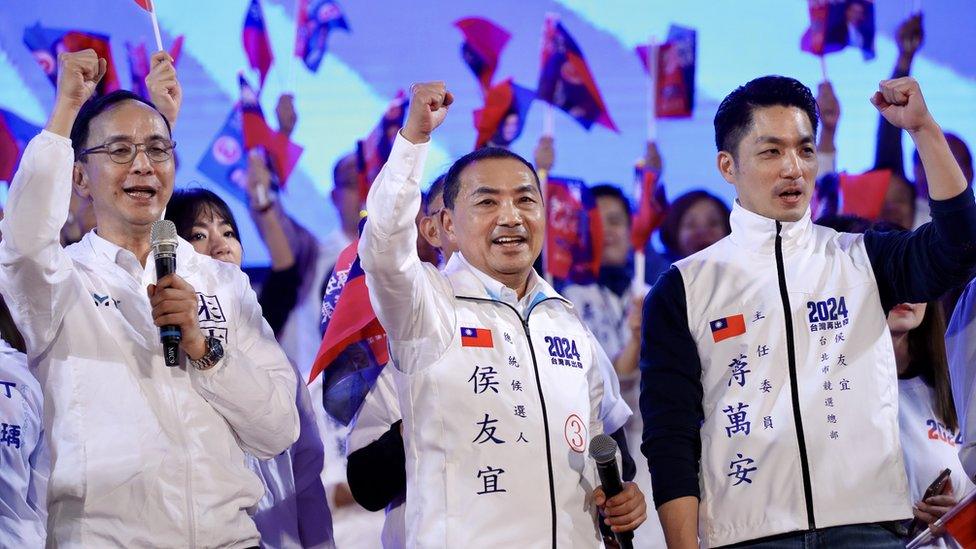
(823,67)
(652,56)
(155,24)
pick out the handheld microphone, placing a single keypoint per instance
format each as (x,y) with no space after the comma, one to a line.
(164,241)
(603,450)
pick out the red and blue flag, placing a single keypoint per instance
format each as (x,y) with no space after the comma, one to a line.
(373,152)
(482,47)
(257,45)
(282,153)
(15,132)
(45,44)
(574,231)
(834,25)
(476,337)
(354,345)
(316,19)
(675,78)
(565,81)
(651,208)
(730,326)
(224,160)
(501,120)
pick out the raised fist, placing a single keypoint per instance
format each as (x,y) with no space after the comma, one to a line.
(78,75)
(429,102)
(900,101)
(164,89)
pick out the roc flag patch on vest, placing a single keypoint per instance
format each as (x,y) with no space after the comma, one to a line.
(476,337)
(727,327)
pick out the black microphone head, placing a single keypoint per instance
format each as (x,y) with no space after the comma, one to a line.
(603,448)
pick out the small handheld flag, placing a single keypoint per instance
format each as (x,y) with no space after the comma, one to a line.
(502,119)
(574,231)
(837,24)
(255,39)
(482,47)
(316,19)
(565,80)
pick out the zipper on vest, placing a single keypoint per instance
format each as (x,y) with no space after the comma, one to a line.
(542,401)
(794,387)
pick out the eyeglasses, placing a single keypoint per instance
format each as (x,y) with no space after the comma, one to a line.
(123,152)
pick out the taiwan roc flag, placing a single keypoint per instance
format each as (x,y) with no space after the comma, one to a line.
(565,80)
(354,345)
(730,326)
(574,232)
(45,44)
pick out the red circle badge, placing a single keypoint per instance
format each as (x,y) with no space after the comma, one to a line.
(575,432)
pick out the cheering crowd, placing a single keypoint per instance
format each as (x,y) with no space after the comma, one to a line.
(781,376)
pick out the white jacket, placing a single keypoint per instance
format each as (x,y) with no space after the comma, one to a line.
(24,460)
(142,455)
(501,396)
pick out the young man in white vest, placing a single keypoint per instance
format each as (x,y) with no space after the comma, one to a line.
(769,391)
(502,389)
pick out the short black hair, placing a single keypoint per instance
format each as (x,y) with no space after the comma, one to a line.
(734,114)
(610,190)
(436,189)
(452,181)
(96,106)
(187,205)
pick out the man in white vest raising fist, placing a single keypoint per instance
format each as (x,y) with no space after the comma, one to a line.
(503,387)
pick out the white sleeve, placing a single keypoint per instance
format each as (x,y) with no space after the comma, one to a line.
(253,386)
(412,300)
(961,351)
(380,410)
(614,411)
(35,272)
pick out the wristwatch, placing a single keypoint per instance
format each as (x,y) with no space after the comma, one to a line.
(215,352)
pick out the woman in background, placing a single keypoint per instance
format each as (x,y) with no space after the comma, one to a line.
(294,511)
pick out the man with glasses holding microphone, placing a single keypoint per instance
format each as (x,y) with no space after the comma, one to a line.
(142,454)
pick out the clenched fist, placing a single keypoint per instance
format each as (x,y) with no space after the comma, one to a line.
(429,102)
(900,101)
(164,89)
(78,74)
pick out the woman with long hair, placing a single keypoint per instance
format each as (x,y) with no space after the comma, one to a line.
(926,414)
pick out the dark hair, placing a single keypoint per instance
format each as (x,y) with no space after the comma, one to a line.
(734,114)
(926,347)
(452,180)
(96,106)
(8,330)
(845,223)
(338,180)
(436,189)
(187,205)
(607,190)
(677,211)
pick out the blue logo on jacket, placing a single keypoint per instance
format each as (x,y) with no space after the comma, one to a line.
(564,352)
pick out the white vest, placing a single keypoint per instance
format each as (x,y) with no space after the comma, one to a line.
(496,432)
(801,411)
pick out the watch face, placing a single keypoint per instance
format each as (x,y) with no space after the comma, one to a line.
(215,349)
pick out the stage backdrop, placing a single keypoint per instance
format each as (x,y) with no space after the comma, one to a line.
(393,43)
